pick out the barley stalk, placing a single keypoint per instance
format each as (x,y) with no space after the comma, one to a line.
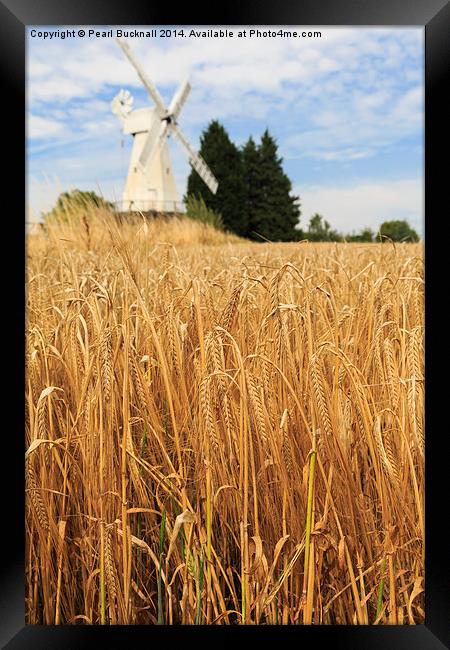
(231,434)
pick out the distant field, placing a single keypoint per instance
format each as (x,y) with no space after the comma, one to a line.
(222,432)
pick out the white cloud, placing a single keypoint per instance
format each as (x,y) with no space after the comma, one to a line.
(237,64)
(362,121)
(40,127)
(345,154)
(364,204)
(339,81)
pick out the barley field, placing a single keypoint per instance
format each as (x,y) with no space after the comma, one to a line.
(222,432)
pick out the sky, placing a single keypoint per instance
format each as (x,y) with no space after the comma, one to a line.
(346,110)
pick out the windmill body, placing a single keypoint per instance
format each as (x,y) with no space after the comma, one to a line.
(152,188)
(150,184)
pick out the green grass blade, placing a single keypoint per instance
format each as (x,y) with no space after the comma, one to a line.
(162,534)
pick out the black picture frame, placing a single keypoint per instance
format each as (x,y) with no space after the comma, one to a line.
(434,16)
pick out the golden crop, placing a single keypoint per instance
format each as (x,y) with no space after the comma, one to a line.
(220,431)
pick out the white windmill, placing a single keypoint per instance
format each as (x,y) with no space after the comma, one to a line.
(150,182)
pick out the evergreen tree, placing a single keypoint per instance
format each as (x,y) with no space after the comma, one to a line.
(272,212)
(224,160)
(254,198)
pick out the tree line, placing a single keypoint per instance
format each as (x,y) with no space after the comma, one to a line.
(397,230)
(254,197)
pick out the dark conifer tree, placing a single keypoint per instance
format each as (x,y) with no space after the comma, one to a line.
(273,212)
(254,198)
(225,161)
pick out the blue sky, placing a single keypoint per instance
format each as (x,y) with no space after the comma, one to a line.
(346,110)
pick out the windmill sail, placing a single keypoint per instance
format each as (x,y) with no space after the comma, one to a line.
(197,161)
(153,92)
(179,99)
(155,137)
